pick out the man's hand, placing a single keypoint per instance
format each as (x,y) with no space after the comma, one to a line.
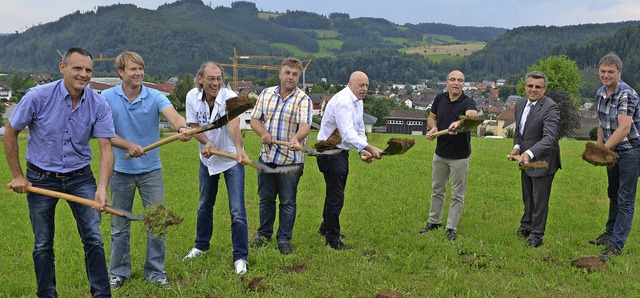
(20,184)
(266,138)
(240,154)
(101,198)
(513,153)
(183,134)
(136,150)
(430,133)
(524,158)
(206,148)
(292,143)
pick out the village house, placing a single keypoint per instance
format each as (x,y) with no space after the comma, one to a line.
(406,122)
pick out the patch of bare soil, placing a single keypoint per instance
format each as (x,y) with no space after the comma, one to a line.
(298,268)
(255,284)
(589,263)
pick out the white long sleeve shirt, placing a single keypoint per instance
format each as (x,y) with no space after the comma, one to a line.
(344,111)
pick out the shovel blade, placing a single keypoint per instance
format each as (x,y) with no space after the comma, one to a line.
(278,169)
(312,152)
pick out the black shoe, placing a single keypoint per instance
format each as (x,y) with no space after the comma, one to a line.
(609,252)
(430,227)
(523,233)
(534,242)
(339,245)
(284,248)
(323,233)
(260,241)
(451,234)
(603,239)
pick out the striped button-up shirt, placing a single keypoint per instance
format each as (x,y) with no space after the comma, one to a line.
(622,101)
(280,117)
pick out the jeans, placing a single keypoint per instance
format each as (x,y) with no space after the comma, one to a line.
(335,169)
(42,213)
(285,186)
(234,178)
(623,181)
(123,188)
(443,169)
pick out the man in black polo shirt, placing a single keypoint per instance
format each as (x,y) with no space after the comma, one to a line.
(451,158)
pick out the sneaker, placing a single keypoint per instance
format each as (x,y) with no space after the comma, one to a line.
(609,252)
(116,282)
(260,241)
(163,283)
(241,266)
(192,254)
(451,234)
(284,248)
(603,239)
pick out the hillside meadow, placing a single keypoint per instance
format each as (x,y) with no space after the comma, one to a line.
(386,204)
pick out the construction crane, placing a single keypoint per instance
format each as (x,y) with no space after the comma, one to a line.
(235,66)
(99,59)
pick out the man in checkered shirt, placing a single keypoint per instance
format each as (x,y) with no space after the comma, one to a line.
(281,113)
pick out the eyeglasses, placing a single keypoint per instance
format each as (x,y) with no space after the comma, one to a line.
(213,79)
(532,86)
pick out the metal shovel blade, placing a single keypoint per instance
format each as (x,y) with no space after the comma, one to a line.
(127,214)
(313,152)
(277,170)
(398,146)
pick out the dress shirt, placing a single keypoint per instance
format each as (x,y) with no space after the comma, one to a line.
(345,112)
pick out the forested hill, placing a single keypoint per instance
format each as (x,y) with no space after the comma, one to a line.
(516,49)
(175,37)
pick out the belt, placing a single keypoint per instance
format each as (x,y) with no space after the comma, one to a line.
(56,174)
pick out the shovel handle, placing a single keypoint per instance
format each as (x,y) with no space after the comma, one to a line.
(245,160)
(68,197)
(441,133)
(190,132)
(285,143)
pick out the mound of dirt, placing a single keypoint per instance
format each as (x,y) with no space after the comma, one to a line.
(589,263)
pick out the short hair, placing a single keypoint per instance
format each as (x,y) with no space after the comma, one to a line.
(200,72)
(121,60)
(81,51)
(611,59)
(538,75)
(292,62)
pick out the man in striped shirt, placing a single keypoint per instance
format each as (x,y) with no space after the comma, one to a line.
(281,113)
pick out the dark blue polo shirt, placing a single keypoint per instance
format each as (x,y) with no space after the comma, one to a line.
(452,146)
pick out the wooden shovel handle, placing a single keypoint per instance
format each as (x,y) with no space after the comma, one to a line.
(441,133)
(285,143)
(68,197)
(245,160)
(190,132)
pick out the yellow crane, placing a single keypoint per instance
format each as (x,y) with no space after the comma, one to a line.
(235,65)
(99,59)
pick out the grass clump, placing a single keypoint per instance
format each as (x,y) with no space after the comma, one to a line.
(157,219)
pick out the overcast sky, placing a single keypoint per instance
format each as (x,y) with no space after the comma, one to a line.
(19,15)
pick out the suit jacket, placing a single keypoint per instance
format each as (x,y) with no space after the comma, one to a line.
(540,134)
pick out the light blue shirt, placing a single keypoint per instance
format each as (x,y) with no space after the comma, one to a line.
(58,135)
(137,122)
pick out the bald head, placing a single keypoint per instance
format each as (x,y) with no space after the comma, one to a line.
(455,83)
(359,84)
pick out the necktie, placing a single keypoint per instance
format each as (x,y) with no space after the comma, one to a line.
(525,113)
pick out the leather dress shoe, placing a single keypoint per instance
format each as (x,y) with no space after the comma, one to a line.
(534,242)
(451,234)
(430,227)
(523,233)
(324,233)
(339,245)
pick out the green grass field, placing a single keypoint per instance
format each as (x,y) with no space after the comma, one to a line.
(386,204)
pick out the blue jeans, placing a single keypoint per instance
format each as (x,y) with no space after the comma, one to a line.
(623,181)
(285,186)
(234,178)
(42,213)
(123,189)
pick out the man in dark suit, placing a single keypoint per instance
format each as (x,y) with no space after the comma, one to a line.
(536,139)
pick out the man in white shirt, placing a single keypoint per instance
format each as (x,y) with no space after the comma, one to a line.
(344,112)
(205,104)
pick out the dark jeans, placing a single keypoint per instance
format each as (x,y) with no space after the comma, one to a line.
(234,179)
(42,213)
(335,169)
(285,186)
(623,181)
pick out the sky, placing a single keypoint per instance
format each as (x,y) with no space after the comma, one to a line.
(19,15)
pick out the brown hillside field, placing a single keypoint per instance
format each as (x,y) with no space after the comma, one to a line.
(451,50)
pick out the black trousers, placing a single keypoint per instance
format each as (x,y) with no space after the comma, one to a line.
(335,169)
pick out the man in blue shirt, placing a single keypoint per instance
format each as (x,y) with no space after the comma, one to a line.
(136,110)
(62,117)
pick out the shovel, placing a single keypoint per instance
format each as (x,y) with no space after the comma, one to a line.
(398,146)
(529,166)
(308,151)
(235,107)
(467,123)
(83,201)
(256,165)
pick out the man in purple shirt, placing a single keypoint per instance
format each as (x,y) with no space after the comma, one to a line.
(62,116)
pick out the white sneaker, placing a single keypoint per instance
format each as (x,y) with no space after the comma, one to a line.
(192,254)
(241,266)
